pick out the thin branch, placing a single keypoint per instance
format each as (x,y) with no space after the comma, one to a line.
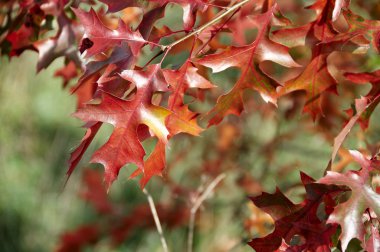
(208,24)
(170,34)
(153,58)
(190,236)
(215,32)
(166,48)
(156,220)
(206,193)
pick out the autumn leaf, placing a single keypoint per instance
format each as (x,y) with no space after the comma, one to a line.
(124,145)
(67,73)
(297,220)
(373,243)
(315,80)
(320,36)
(121,57)
(116,5)
(149,19)
(349,214)
(246,20)
(180,81)
(339,4)
(77,154)
(181,119)
(153,165)
(360,30)
(95,193)
(360,106)
(77,239)
(247,58)
(189,7)
(373,95)
(104,38)
(24,30)
(64,44)
(86,91)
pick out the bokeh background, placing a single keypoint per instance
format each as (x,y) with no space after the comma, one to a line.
(263,149)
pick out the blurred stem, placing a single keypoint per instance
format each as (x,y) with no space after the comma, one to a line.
(156,220)
(206,193)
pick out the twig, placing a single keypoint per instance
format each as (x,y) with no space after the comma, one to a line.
(203,27)
(216,31)
(156,220)
(166,48)
(196,206)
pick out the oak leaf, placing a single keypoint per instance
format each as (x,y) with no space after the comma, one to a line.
(300,220)
(373,95)
(104,38)
(189,7)
(61,45)
(181,80)
(124,145)
(247,58)
(321,38)
(349,215)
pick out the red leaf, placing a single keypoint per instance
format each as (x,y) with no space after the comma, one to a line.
(360,106)
(360,30)
(154,165)
(373,243)
(247,58)
(339,4)
(320,37)
(67,73)
(95,192)
(189,7)
(77,154)
(111,82)
(124,145)
(74,241)
(86,91)
(181,80)
(315,80)
(64,44)
(363,78)
(120,56)
(349,214)
(117,5)
(20,40)
(297,220)
(105,38)
(373,95)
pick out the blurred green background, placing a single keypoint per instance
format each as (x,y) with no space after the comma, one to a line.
(35,138)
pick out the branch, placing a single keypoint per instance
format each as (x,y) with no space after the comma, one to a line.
(156,220)
(166,48)
(197,31)
(216,31)
(196,206)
